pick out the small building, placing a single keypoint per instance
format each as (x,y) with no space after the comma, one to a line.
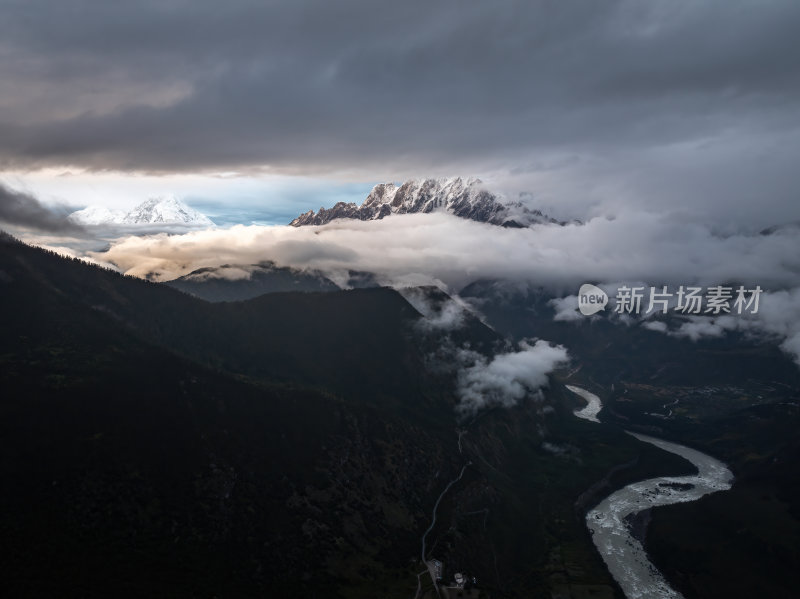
(437,568)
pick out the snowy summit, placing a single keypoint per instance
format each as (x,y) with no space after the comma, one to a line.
(168,209)
(97,215)
(161,210)
(466,199)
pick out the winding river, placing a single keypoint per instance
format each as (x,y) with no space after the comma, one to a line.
(593,404)
(622,552)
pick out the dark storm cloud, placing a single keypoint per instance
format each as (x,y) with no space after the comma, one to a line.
(23,210)
(321,85)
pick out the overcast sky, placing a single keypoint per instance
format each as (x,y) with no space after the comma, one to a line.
(594,107)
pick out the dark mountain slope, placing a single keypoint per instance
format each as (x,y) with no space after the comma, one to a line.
(220,285)
(357,342)
(152,444)
(129,471)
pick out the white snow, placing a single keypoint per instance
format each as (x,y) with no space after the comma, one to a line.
(160,210)
(466,198)
(168,209)
(97,215)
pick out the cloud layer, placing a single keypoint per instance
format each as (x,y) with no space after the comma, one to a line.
(439,248)
(691,105)
(442,250)
(778,316)
(508,377)
(23,210)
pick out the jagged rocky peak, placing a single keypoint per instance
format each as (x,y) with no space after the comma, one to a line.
(382,193)
(463,198)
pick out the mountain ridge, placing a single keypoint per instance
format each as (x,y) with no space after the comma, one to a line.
(236,283)
(466,199)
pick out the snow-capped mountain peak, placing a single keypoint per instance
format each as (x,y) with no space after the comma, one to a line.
(167,209)
(160,210)
(97,215)
(466,199)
